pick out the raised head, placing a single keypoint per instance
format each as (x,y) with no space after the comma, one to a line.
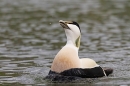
(73,32)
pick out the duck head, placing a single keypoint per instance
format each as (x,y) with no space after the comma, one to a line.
(72,31)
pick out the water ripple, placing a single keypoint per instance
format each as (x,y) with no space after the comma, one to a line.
(30,37)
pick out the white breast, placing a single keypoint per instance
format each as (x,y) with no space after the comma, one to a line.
(66,58)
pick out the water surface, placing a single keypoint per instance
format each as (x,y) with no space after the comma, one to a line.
(30,37)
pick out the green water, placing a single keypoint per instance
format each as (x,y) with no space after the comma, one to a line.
(30,37)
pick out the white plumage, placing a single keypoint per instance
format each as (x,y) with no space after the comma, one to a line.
(67,61)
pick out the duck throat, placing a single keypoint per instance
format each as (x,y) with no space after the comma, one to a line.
(75,43)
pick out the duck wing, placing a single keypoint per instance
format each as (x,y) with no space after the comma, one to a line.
(85,73)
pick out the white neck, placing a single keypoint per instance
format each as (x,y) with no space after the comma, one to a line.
(72,40)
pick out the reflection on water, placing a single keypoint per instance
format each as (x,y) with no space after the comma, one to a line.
(30,37)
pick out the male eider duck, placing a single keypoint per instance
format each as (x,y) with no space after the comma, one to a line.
(67,62)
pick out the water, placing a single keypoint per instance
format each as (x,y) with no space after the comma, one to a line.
(30,37)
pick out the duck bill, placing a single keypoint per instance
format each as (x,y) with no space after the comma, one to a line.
(64,24)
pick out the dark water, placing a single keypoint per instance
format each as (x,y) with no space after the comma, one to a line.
(30,37)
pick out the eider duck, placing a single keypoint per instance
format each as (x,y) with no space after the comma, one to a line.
(67,62)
